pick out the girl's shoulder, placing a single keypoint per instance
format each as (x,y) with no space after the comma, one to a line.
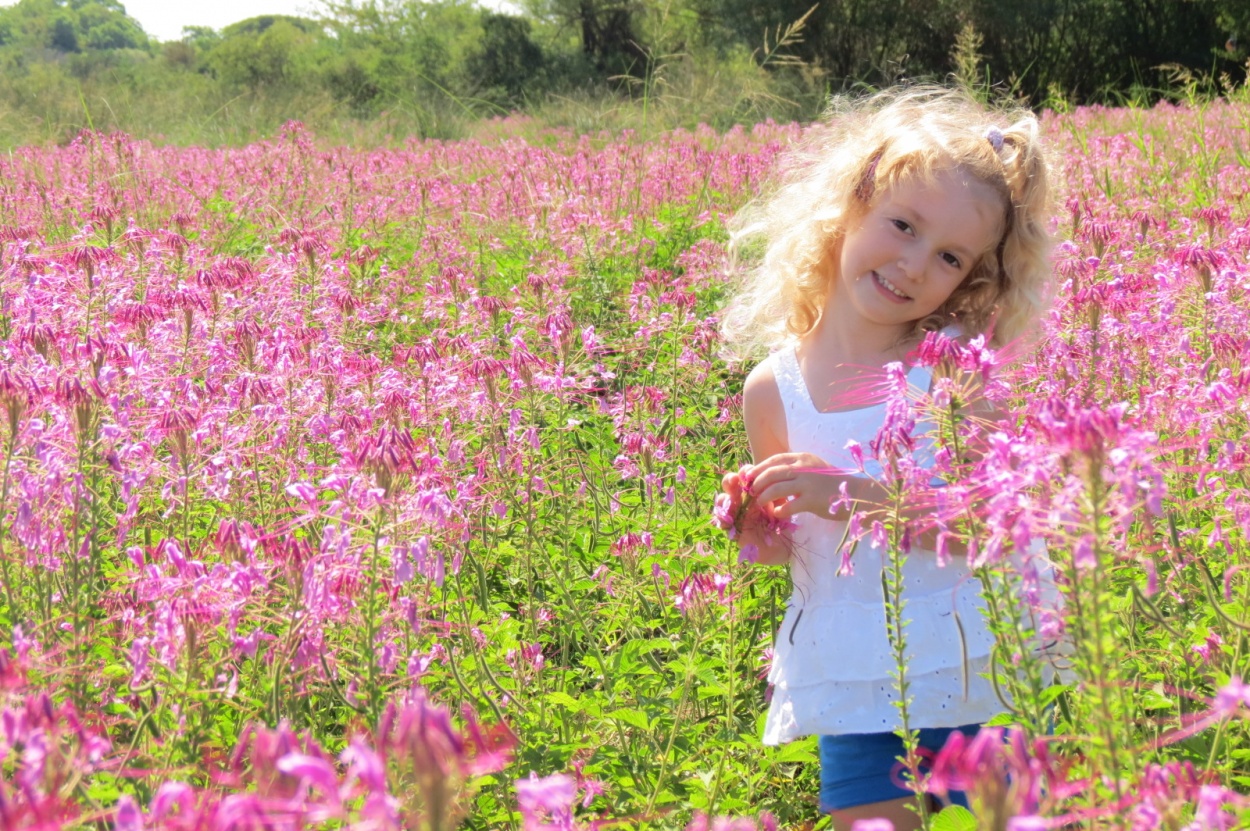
(760,390)
(763,411)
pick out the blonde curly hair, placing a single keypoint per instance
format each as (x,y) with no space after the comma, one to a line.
(785,245)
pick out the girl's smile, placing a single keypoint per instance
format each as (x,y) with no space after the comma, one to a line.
(892,291)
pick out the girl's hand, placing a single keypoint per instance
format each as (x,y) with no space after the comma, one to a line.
(794,483)
(731,486)
(728,511)
(762,536)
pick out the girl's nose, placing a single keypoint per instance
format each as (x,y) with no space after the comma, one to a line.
(909,264)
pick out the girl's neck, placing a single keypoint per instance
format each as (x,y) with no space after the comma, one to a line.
(842,365)
(842,337)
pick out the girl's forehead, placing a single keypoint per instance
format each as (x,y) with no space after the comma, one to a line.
(946,183)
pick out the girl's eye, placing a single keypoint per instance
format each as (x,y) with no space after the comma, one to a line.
(902,225)
(951,260)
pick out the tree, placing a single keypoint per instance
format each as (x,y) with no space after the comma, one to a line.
(70,26)
(507,60)
(105,25)
(1092,48)
(263,51)
(607,29)
(261,23)
(394,50)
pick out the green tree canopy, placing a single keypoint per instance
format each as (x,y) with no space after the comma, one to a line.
(70,26)
(269,50)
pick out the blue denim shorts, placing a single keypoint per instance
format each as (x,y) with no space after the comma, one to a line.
(862,768)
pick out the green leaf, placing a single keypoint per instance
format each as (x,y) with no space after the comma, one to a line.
(634,718)
(954,818)
(1053,692)
(563,699)
(116,671)
(795,752)
(1153,700)
(1001,720)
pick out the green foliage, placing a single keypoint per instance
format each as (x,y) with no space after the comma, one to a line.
(954,818)
(69,26)
(507,61)
(609,32)
(392,68)
(418,61)
(106,26)
(262,23)
(264,51)
(1091,49)
(63,34)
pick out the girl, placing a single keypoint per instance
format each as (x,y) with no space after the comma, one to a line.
(912,211)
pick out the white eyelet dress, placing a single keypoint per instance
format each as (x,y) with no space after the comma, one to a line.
(832,661)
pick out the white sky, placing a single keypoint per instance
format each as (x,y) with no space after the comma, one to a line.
(164,19)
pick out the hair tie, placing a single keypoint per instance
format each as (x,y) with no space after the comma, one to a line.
(867,183)
(995,137)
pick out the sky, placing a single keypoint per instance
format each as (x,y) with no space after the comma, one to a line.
(164,19)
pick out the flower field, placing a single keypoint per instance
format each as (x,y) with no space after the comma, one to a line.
(372,489)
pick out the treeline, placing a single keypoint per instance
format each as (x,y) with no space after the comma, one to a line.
(431,68)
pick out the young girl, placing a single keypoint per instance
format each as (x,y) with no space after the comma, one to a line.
(912,211)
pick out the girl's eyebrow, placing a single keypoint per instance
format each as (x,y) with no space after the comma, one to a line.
(906,206)
(963,252)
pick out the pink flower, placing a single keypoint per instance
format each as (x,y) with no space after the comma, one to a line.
(1231,696)
(365,765)
(546,803)
(303,492)
(129,816)
(171,795)
(1211,813)
(311,769)
(1209,647)
(872,825)
(723,514)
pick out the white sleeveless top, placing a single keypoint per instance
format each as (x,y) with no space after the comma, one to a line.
(832,661)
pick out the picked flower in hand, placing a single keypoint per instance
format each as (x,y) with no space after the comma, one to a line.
(723,515)
(730,520)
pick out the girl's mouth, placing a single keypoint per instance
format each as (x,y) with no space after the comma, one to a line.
(889,289)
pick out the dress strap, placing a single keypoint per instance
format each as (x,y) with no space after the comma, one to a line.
(920,378)
(790,383)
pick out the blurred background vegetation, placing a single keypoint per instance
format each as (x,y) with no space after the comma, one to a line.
(377,71)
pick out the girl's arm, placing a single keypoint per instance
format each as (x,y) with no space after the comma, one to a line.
(794,483)
(765,420)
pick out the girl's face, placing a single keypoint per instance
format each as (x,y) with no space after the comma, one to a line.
(915,245)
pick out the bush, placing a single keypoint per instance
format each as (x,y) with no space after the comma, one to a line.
(507,61)
(267,54)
